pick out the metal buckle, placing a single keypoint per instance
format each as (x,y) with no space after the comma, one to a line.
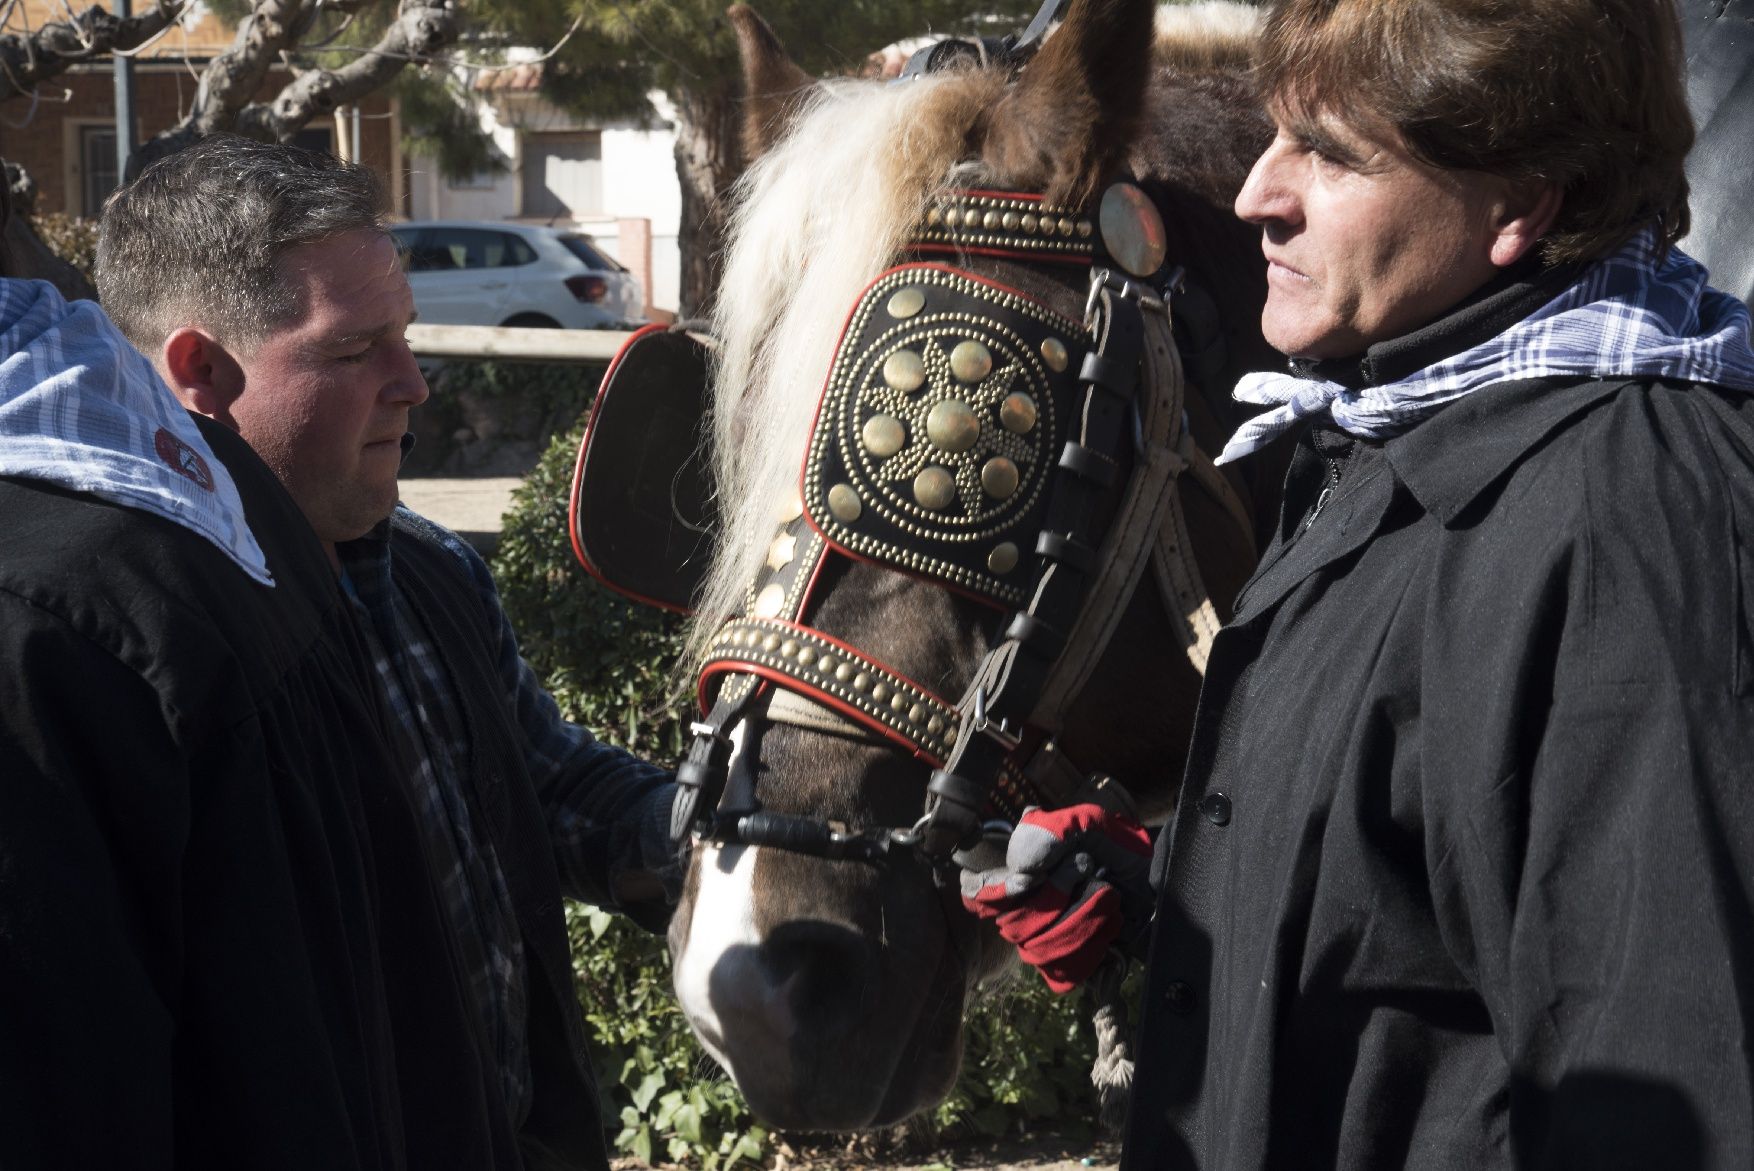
(998,732)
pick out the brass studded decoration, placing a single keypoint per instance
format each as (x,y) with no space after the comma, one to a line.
(982,221)
(796,655)
(951,469)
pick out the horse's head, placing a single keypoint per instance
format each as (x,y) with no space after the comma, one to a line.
(823,965)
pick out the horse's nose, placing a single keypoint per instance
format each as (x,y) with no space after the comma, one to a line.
(825,972)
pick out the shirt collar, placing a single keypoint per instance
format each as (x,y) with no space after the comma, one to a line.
(1450,458)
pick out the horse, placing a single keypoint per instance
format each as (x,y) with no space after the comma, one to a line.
(830,981)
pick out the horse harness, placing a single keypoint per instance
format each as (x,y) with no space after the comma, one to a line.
(968,435)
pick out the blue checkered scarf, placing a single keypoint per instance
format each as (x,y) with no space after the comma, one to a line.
(82,409)
(1629,316)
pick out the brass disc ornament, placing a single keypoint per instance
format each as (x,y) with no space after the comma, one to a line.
(1132,230)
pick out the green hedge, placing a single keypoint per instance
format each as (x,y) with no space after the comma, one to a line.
(608,663)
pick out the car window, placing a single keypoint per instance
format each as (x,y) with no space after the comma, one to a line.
(515,251)
(447,249)
(582,248)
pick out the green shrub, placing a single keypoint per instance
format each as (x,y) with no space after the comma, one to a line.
(71,238)
(608,662)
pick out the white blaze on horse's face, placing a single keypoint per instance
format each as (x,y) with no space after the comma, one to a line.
(721,932)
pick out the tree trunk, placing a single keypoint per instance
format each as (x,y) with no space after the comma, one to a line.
(709,157)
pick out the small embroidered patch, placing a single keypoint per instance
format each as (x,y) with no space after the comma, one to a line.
(183,458)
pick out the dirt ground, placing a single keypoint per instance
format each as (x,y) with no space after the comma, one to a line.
(1019,1154)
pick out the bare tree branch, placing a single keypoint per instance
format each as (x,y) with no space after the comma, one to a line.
(26,59)
(421,29)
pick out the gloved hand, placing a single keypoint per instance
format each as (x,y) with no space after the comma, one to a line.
(1074,881)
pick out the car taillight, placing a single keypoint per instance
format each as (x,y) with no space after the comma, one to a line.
(587,288)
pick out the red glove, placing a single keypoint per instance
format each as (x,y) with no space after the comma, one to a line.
(1073,878)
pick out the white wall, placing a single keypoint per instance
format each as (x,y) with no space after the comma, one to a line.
(639,181)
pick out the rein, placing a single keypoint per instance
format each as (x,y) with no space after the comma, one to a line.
(970,435)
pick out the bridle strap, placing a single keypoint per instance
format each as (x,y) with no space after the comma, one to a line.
(1012,678)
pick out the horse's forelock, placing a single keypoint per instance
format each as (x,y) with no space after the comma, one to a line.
(814,222)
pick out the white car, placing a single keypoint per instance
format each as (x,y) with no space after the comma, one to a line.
(487,272)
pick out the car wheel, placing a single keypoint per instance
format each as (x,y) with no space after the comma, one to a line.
(531,321)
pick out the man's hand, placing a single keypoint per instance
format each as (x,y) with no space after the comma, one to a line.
(1074,880)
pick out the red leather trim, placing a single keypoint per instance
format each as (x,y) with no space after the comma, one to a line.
(1025,196)
(575,498)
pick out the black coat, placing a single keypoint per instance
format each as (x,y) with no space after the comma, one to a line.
(1463,872)
(219,942)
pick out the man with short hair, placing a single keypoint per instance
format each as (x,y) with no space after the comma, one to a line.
(263,284)
(220,945)
(1463,870)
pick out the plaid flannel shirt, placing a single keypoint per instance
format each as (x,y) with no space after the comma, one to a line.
(607,812)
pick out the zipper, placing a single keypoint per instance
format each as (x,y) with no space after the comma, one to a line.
(1327,493)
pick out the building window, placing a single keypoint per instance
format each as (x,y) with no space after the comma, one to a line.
(97,166)
(563,175)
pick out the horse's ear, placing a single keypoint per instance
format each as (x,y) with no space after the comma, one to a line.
(774,86)
(1064,126)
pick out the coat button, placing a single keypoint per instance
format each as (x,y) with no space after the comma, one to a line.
(1216,807)
(1180,997)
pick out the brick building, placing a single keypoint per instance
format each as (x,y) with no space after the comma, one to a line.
(65,135)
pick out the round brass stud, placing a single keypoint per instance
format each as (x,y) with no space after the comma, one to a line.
(991,220)
(1132,230)
(905,371)
(1003,559)
(789,648)
(861,682)
(771,643)
(935,488)
(883,435)
(844,504)
(1084,229)
(880,692)
(916,714)
(806,656)
(1011,220)
(1029,221)
(935,726)
(971,361)
(1067,227)
(1017,413)
(952,217)
(906,303)
(934,215)
(768,603)
(1055,354)
(781,552)
(843,671)
(999,478)
(898,701)
(952,426)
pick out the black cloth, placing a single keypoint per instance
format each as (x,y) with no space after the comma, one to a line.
(1463,870)
(220,946)
(564,1126)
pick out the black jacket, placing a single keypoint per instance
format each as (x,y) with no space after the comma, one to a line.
(219,942)
(1463,870)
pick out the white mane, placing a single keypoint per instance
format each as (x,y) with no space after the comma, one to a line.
(815,221)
